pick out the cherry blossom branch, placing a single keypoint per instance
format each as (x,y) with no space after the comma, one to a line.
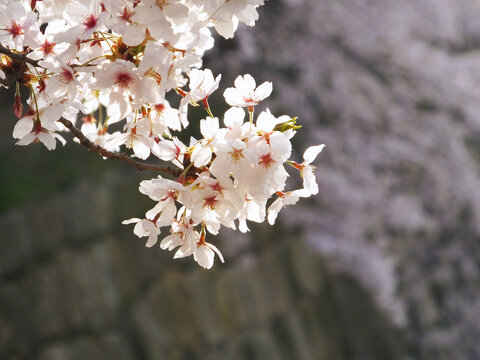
(119,156)
(18,69)
(227,176)
(23,59)
(17,56)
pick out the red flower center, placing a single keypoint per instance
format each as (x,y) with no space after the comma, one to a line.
(217,187)
(210,202)
(90,22)
(127,14)
(124,79)
(266,160)
(15,29)
(249,100)
(66,76)
(160,107)
(47,47)
(236,155)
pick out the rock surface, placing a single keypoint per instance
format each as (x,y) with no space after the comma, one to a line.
(69,290)
(392,88)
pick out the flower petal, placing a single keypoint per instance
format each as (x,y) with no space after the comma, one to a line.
(23,127)
(311,153)
(263,91)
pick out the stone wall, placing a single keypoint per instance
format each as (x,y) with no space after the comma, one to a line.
(75,284)
(391,87)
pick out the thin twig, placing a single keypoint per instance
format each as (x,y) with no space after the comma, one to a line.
(119,156)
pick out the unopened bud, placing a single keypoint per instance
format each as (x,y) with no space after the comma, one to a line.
(17,105)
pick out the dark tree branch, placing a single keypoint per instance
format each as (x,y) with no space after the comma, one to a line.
(17,56)
(16,71)
(119,156)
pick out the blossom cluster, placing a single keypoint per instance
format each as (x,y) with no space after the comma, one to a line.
(113,62)
(237,169)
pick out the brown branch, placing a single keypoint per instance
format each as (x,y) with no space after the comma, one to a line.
(17,69)
(17,56)
(119,156)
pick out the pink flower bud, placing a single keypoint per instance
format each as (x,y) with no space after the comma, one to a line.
(17,106)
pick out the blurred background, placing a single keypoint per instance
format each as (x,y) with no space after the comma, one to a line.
(383,264)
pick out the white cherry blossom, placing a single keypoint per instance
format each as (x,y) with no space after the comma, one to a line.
(145,228)
(139,143)
(284,199)
(205,254)
(183,235)
(202,84)
(122,80)
(84,17)
(122,22)
(246,93)
(165,192)
(307,170)
(40,126)
(203,152)
(18,26)
(28,131)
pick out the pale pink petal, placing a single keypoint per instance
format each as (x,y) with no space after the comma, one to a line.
(152,240)
(16,10)
(139,230)
(209,127)
(309,180)
(273,210)
(196,78)
(217,251)
(234,117)
(155,210)
(131,221)
(201,156)
(27,139)
(171,242)
(141,150)
(311,153)
(47,139)
(233,97)
(226,29)
(165,150)
(204,256)
(59,138)
(133,35)
(23,127)
(245,83)
(266,121)
(263,91)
